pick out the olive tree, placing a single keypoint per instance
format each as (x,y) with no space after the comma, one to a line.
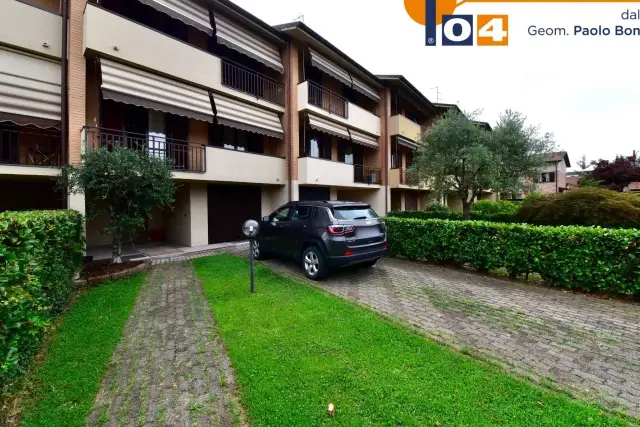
(125,185)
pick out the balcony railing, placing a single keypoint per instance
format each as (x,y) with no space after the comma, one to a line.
(32,147)
(252,83)
(366,174)
(327,100)
(180,155)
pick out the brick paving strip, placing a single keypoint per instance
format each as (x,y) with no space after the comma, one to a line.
(588,346)
(170,368)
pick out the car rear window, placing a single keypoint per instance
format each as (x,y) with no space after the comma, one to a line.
(354,212)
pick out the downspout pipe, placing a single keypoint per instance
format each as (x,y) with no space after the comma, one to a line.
(64,107)
(387,150)
(289,114)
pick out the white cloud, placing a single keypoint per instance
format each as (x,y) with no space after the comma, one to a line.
(583,89)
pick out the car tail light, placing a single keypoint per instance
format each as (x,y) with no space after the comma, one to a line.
(339,230)
(384,246)
(348,253)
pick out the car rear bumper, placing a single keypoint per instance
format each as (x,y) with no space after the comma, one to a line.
(357,258)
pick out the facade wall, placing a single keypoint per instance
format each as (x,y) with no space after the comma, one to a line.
(376,198)
(77,79)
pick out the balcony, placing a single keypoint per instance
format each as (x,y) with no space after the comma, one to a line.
(313,171)
(121,39)
(324,103)
(21,146)
(31,28)
(399,178)
(181,156)
(245,80)
(400,125)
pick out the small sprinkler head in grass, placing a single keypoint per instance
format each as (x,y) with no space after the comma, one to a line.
(332,409)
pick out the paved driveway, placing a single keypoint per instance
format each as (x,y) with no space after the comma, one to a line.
(586,345)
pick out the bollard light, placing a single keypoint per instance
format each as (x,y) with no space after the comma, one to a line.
(250,228)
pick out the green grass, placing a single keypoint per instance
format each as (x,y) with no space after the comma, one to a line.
(78,356)
(296,349)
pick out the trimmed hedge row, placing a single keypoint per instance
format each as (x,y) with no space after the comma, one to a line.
(40,251)
(451,215)
(591,259)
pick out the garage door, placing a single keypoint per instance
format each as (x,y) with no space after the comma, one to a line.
(309,194)
(229,207)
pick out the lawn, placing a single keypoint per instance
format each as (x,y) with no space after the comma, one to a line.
(70,375)
(296,349)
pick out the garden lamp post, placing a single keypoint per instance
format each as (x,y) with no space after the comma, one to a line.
(250,229)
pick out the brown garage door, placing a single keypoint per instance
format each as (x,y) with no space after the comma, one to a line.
(410,201)
(229,207)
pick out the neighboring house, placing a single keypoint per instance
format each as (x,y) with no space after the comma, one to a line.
(252,116)
(553,178)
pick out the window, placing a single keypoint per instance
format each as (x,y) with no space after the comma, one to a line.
(281,214)
(317,145)
(346,154)
(235,139)
(548,177)
(301,213)
(157,134)
(354,212)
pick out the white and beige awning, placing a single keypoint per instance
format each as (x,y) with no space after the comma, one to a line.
(330,68)
(329,127)
(246,42)
(365,89)
(123,83)
(187,11)
(30,90)
(243,116)
(363,139)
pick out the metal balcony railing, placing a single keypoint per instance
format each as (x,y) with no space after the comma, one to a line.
(327,100)
(366,174)
(246,80)
(27,146)
(180,155)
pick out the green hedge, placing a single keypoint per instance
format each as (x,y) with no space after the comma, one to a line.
(40,251)
(591,259)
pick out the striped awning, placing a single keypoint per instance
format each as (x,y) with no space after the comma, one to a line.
(365,89)
(30,90)
(406,142)
(243,116)
(329,127)
(330,68)
(244,41)
(363,139)
(123,83)
(187,11)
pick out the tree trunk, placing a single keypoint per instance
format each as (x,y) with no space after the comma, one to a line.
(466,210)
(116,250)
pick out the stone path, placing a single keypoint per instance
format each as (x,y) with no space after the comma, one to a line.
(589,346)
(170,368)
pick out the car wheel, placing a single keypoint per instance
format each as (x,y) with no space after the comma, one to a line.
(314,264)
(369,264)
(258,253)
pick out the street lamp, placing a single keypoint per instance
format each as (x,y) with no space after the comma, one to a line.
(250,228)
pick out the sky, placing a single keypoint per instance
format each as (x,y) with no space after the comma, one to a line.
(583,89)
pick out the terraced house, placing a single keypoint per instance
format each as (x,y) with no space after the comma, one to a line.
(252,116)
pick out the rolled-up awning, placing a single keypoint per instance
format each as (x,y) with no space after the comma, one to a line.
(30,90)
(244,41)
(329,127)
(363,139)
(365,89)
(405,142)
(330,68)
(187,11)
(123,83)
(240,115)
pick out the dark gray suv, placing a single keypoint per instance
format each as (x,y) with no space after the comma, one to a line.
(323,235)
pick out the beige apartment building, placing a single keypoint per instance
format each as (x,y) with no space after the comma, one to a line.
(252,116)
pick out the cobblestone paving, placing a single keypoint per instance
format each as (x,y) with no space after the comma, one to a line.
(170,368)
(587,346)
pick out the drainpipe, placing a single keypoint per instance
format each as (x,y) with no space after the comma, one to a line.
(288,110)
(387,150)
(556,178)
(64,107)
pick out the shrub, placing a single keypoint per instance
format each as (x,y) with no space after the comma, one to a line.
(586,206)
(434,211)
(40,251)
(591,259)
(501,211)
